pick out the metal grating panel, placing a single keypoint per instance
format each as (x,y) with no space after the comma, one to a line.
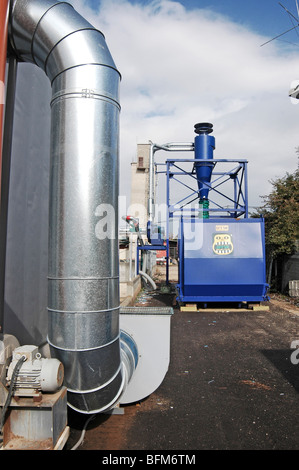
(146,310)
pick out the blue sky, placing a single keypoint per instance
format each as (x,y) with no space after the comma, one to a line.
(265,16)
(200,60)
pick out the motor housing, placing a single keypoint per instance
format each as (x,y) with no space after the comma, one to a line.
(36,374)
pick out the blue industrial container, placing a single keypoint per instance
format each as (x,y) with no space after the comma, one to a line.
(221,251)
(222,260)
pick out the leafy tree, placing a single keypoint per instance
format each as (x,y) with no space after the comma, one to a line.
(281,213)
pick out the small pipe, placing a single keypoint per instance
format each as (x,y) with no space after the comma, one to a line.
(171,146)
(149,279)
(151,184)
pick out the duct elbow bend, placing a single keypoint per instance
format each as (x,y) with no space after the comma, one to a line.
(73,54)
(54,36)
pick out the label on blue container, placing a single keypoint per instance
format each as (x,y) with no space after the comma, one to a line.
(222,244)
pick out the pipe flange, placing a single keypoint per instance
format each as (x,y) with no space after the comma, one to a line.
(203,128)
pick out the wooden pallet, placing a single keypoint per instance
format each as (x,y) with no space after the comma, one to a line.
(193,307)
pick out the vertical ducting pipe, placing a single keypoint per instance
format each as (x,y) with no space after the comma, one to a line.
(83,278)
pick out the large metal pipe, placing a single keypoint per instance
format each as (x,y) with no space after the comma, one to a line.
(83,284)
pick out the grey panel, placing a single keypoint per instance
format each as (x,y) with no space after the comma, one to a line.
(27,242)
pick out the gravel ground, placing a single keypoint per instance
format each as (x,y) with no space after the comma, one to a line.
(232,384)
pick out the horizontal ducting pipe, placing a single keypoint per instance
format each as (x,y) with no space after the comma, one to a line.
(171,146)
(83,277)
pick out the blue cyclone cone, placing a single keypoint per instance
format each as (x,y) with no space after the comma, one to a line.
(204,146)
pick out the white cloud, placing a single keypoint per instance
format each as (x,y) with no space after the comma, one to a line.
(180,67)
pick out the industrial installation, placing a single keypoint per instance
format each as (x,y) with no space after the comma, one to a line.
(99,356)
(221,249)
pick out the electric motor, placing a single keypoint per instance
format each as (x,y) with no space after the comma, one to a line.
(36,374)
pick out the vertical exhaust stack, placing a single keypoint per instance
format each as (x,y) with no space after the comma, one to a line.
(204,146)
(83,278)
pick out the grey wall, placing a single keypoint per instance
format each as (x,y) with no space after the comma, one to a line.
(25,313)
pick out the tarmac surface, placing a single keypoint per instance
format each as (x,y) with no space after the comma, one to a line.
(232,384)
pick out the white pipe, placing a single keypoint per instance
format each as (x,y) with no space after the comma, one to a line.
(172,147)
(149,279)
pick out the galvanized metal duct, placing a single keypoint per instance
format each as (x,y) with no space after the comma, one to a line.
(83,285)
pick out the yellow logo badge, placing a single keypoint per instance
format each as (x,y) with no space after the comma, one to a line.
(222,244)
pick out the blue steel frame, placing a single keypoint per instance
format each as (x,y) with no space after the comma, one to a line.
(218,203)
(236,208)
(237,173)
(148,248)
